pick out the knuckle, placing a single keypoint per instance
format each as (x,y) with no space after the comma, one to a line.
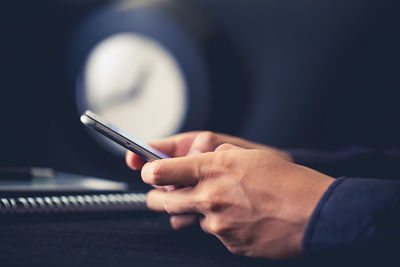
(207,137)
(209,205)
(236,250)
(203,225)
(209,201)
(224,146)
(214,228)
(167,205)
(217,227)
(223,161)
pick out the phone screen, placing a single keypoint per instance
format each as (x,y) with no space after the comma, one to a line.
(143,150)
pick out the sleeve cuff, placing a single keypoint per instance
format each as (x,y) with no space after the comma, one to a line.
(354,217)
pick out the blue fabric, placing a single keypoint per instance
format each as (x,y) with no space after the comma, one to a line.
(355,219)
(352,162)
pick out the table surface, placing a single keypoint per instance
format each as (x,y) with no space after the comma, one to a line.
(135,239)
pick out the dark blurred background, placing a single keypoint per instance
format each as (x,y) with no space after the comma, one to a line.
(318,74)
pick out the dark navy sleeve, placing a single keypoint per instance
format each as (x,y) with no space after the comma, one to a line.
(355,219)
(382,163)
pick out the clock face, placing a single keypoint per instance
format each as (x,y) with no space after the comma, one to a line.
(135,83)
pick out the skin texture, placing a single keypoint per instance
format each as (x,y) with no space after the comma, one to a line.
(250,196)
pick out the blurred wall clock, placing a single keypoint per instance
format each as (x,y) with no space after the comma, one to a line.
(148,67)
(135,82)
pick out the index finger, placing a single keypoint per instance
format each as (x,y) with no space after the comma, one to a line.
(177,171)
(174,146)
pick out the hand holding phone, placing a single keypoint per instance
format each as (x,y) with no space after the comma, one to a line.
(143,150)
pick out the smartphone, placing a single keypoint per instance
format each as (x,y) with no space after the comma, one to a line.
(141,149)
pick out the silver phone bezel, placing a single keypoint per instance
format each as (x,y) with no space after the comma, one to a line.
(98,124)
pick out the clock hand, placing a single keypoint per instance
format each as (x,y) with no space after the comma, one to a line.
(116,99)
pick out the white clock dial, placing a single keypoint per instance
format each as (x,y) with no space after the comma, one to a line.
(135,83)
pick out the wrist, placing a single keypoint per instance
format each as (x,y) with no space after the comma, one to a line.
(315,186)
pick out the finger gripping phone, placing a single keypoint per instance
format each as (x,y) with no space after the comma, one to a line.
(141,149)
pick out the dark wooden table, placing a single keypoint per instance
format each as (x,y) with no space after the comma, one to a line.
(140,239)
